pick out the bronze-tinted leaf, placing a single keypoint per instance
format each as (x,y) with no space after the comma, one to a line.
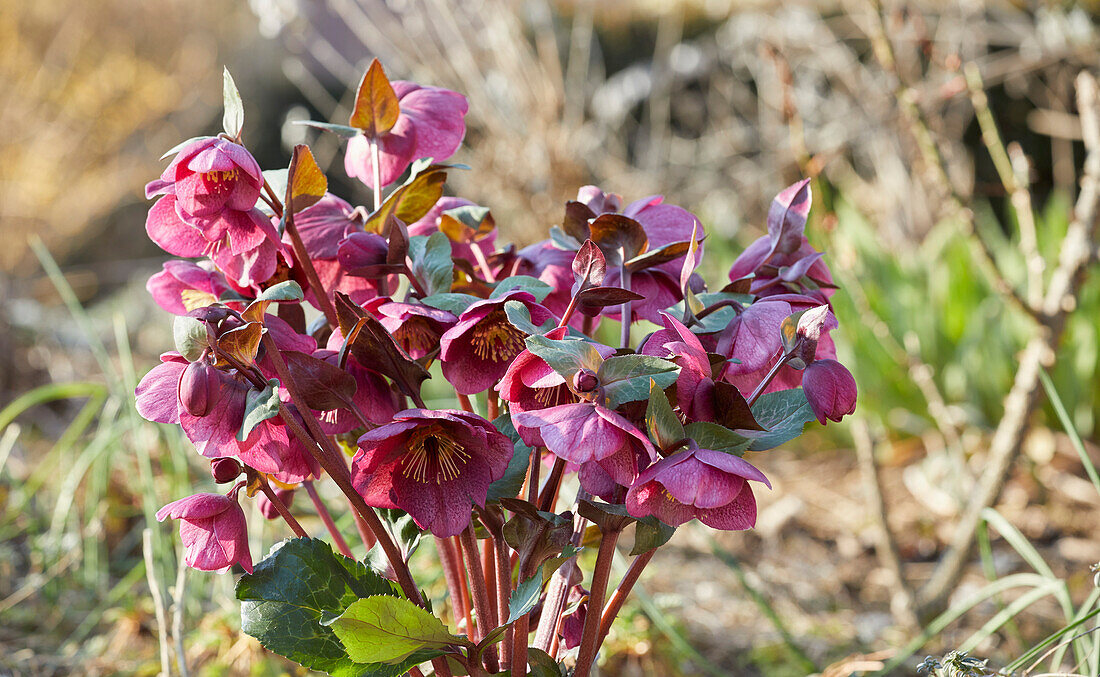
(323,385)
(376,106)
(242,343)
(306,183)
(592,300)
(619,237)
(398,236)
(731,409)
(655,257)
(412,200)
(739,286)
(467,224)
(589,266)
(374,347)
(577,217)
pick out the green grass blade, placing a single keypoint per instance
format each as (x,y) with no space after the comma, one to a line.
(1071,430)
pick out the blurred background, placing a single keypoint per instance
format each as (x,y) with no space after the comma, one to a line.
(944,141)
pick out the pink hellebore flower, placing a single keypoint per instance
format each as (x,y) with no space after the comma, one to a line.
(587,433)
(663,224)
(709,485)
(530,384)
(478,349)
(830,388)
(213,531)
(784,259)
(432,464)
(416,328)
(694,384)
(183,286)
(431,124)
(209,209)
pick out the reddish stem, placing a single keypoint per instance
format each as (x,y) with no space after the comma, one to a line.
(452,574)
(306,263)
(329,458)
(323,512)
(768,378)
(615,604)
(586,657)
(549,493)
(483,606)
(283,511)
(456,550)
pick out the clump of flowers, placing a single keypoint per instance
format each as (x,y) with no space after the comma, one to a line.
(597,380)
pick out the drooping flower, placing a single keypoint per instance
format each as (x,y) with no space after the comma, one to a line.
(269,447)
(431,124)
(694,384)
(572,623)
(213,531)
(183,286)
(784,261)
(700,483)
(434,465)
(530,384)
(478,349)
(830,388)
(587,433)
(416,328)
(208,208)
(374,397)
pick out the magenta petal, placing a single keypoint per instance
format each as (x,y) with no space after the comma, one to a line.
(158,392)
(695,483)
(830,389)
(737,515)
(170,233)
(437,115)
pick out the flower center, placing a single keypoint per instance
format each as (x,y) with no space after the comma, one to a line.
(551,397)
(221,182)
(416,336)
(494,338)
(433,456)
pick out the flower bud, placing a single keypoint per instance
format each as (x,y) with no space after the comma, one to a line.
(830,390)
(359,251)
(585,381)
(808,333)
(225,470)
(200,388)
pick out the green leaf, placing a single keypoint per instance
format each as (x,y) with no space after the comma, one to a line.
(340,130)
(661,421)
(784,414)
(717,438)
(452,302)
(541,664)
(565,356)
(432,263)
(520,318)
(190,337)
(259,405)
(650,533)
(533,286)
(288,290)
(525,597)
(563,240)
(298,583)
(386,629)
(625,378)
(511,483)
(233,117)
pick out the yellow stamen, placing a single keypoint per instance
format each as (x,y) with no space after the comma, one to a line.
(433,457)
(494,338)
(416,335)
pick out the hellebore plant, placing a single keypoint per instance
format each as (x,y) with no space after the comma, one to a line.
(306,327)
